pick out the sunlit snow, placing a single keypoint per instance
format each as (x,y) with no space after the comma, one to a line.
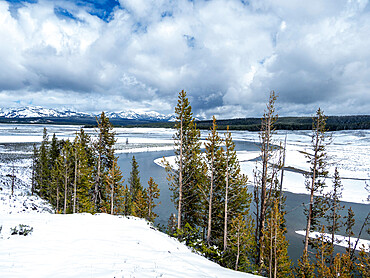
(340,240)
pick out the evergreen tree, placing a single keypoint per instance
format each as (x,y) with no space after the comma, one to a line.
(152,194)
(114,183)
(333,218)
(305,268)
(104,148)
(315,182)
(53,154)
(323,255)
(57,183)
(349,223)
(65,165)
(136,189)
(236,197)
(240,242)
(265,178)
(84,182)
(276,253)
(55,148)
(187,177)
(364,263)
(342,266)
(126,200)
(139,204)
(213,146)
(172,224)
(225,189)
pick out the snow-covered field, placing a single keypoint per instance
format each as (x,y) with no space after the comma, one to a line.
(85,245)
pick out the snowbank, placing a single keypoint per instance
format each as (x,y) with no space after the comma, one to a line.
(340,240)
(101,245)
(85,245)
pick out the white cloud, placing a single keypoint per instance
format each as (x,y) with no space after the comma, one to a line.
(226,54)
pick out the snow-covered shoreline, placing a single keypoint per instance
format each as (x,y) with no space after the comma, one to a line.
(349,151)
(339,240)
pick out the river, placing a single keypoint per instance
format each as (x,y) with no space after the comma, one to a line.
(350,151)
(295,218)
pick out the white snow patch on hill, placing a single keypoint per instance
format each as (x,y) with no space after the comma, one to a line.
(101,245)
(85,245)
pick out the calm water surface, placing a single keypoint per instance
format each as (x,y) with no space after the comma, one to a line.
(295,217)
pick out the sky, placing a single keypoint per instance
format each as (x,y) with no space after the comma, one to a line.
(228,55)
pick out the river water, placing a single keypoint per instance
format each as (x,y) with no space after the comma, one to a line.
(295,218)
(351,151)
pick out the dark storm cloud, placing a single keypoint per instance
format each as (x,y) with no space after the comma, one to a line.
(228,55)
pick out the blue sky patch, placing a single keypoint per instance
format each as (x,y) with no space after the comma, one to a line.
(103,9)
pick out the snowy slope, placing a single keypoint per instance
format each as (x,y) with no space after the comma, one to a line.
(84,245)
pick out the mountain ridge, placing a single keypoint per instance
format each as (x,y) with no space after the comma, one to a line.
(26,112)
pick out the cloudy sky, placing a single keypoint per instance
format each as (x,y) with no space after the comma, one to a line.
(228,55)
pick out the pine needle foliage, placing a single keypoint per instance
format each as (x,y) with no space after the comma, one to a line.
(186,178)
(153,194)
(315,180)
(114,189)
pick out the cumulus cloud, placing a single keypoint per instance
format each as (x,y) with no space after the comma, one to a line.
(227,55)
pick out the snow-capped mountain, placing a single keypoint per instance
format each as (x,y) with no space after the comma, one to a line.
(40,112)
(132,115)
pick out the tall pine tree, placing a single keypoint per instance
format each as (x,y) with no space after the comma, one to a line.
(114,187)
(152,194)
(333,217)
(265,180)
(315,182)
(104,148)
(213,147)
(188,175)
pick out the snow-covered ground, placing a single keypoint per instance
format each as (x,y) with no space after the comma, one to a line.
(22,201)
(340,240)
(85,245)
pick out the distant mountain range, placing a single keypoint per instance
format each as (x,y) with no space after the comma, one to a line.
(40,114)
